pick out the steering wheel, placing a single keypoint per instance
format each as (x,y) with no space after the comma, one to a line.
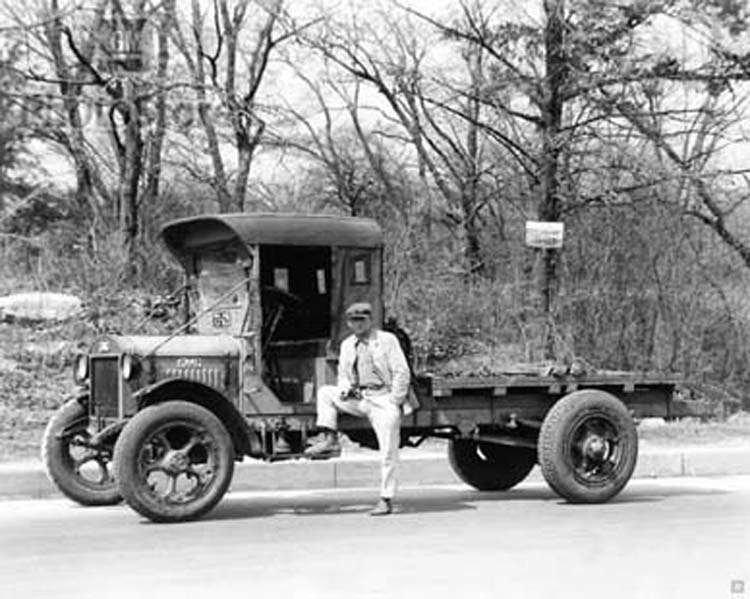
(277,301)
(280,296)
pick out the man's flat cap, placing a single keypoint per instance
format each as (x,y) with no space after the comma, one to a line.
(359,309)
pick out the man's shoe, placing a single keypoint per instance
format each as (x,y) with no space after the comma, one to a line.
(382,507)
(329,447)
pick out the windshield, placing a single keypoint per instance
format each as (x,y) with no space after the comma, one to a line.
(223,288)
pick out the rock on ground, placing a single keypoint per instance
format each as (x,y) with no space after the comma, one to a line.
(39,306)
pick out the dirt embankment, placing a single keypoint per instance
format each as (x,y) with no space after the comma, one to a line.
(35,378)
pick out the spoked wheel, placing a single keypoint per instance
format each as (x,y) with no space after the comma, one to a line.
(174,461)
(588,447)
(82,473)
(490,467)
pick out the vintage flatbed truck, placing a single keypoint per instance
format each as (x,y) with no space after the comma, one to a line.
(160,420)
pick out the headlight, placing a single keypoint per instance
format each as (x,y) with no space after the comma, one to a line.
(129,367)
(81,368)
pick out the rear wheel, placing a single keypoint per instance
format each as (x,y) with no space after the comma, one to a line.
(80,472)
(588,446)
(490,467)
(174,461)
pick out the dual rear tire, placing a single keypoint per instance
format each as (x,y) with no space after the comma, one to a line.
(588,446)
(490,467)
(587,450)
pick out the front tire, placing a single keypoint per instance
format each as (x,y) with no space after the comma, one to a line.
(588,446)
(490,467)
(174,461)
(79,472)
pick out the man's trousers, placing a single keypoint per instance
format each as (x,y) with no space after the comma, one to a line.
(384,415)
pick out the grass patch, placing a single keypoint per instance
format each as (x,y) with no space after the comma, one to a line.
(692,432)
(35,379)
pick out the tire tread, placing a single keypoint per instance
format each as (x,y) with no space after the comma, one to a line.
(559,479)
(64,416)
(128,443)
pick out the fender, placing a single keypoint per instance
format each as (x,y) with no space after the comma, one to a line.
(245,440)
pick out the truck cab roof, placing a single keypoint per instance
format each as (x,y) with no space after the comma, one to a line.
(185,234)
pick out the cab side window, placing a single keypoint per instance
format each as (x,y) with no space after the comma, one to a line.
(361,274)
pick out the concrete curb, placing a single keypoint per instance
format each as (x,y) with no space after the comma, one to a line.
(417,468)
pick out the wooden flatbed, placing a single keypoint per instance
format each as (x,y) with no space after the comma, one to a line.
(529,395)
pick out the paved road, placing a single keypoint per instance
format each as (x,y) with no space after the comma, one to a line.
(660,538)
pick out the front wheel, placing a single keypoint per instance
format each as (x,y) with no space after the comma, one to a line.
(174,461)
(588,446)
(81,472)
(490,467)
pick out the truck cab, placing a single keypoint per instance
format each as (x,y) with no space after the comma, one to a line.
(279,284)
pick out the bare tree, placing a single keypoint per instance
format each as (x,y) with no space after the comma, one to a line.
(449,150)
(74,60)
(563,66)
(228,61)
(362,172)
(688,154)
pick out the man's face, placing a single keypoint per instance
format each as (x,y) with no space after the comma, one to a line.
(360,325)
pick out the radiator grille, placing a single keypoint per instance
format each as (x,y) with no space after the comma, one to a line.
(105,384)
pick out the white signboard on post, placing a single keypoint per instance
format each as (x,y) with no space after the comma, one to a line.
(545,235)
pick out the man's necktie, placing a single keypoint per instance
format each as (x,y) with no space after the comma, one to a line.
(356,364)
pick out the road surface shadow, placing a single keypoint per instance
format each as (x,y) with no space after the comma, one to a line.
(426,500)
(351,501)
(649,491)
(312,505)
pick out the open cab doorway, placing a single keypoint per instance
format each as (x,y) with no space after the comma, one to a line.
(295,283)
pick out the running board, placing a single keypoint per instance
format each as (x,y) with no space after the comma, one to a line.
(288,457)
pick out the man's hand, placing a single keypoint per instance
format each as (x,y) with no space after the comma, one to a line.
(351,393)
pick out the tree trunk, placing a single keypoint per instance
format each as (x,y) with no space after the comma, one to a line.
(244,156)
(550,206)
(130,177)
(470,194)
(246,145)
(156,140)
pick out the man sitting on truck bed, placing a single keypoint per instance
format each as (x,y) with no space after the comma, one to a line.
(373,383)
